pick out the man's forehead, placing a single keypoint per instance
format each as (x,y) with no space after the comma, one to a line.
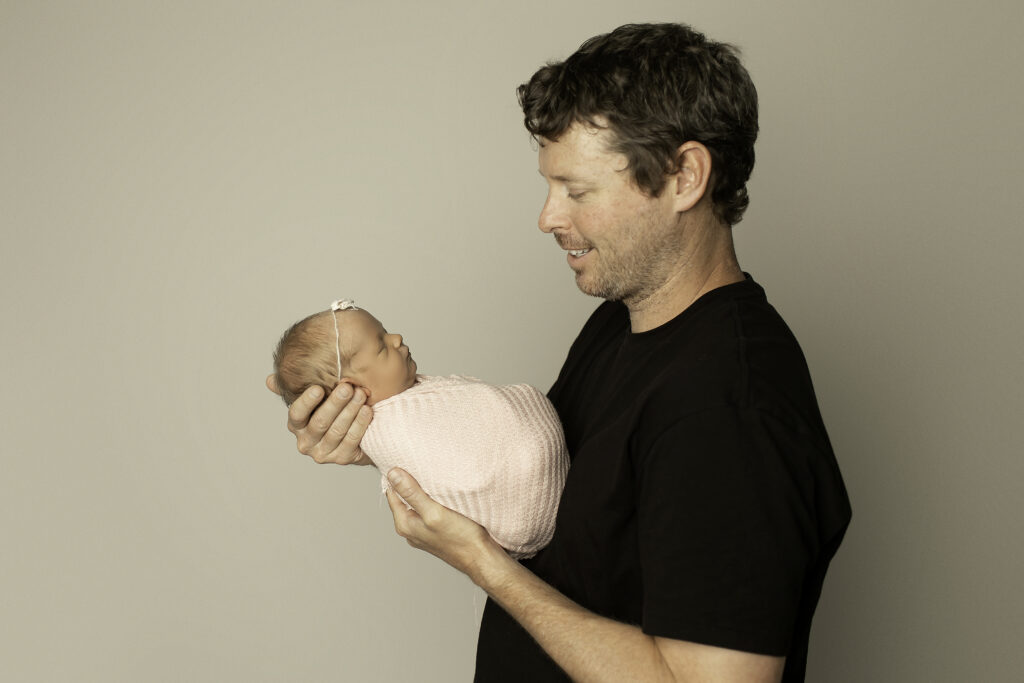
(579,160)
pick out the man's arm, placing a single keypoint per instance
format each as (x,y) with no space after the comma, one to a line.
(587,646)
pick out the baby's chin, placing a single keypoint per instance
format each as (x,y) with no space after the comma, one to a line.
(413,380)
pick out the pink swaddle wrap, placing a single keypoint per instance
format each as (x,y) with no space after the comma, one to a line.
(493,453)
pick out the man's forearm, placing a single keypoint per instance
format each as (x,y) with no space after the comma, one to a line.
(587,646)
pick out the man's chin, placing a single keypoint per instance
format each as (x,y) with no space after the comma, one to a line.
(591,288)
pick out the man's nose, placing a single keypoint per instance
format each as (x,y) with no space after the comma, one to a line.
(551,217)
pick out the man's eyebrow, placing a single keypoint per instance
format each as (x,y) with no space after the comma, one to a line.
(562,178)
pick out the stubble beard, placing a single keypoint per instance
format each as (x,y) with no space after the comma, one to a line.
(632,275)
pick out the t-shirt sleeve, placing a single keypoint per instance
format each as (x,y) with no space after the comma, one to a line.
(726,529)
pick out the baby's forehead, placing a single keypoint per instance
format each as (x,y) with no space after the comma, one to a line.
(360,319)
(355,327)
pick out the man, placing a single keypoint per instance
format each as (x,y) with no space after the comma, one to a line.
(703,503)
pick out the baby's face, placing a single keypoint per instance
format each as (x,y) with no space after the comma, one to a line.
(378,361)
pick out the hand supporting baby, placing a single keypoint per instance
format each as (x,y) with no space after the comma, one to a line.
(427,525)
(329,432)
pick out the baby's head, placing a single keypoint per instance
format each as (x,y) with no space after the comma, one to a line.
(342,344)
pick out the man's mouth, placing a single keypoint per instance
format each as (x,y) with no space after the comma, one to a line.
(578,252)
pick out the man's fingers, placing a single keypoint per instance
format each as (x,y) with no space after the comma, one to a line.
(398,507)
(332,419)
(364,415)
(299,410)
(409,489)
(330,431)
(333,407)
(426,524)
(341,422)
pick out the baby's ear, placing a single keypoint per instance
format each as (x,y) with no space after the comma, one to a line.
(354,384)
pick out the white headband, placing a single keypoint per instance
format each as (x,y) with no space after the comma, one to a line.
(340,305)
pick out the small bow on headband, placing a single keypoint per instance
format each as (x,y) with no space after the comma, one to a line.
(344,305)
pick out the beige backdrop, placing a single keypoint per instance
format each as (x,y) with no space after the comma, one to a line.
(180,181)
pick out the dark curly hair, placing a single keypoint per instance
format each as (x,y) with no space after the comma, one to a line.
(655,86)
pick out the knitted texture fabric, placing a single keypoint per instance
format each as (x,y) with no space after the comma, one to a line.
(496,454)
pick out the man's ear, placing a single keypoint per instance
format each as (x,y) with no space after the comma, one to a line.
(689,183)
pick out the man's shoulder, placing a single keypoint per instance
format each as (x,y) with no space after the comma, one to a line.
(734,350)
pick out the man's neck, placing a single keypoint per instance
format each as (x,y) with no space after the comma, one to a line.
(710,265)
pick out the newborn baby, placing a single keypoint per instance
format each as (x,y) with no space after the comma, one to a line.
(493,453)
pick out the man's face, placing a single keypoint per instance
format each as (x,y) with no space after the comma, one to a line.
(623,244)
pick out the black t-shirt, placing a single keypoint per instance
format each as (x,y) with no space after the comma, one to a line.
(703,501)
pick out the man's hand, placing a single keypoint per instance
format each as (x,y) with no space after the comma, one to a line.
(442,532)
(332,433)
